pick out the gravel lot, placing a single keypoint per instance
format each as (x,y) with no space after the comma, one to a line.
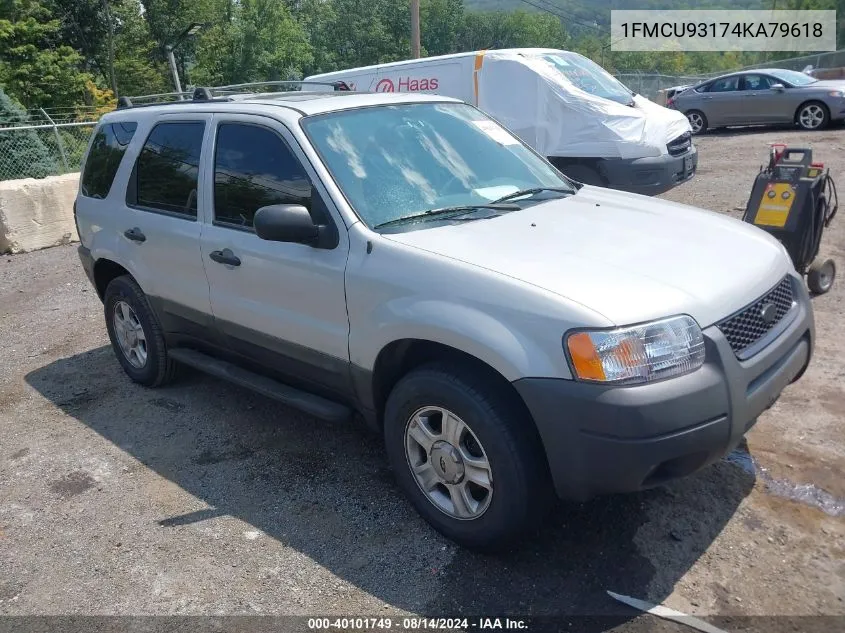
(203,498)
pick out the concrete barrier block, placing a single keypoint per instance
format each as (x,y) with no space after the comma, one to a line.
(37,213)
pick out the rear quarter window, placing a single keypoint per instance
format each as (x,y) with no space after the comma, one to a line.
(107,150)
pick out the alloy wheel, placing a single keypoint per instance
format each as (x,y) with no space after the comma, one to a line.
(129,334)
(811,116)
(448,462)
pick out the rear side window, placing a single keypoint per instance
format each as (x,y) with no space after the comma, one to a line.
(107,150)
(755,82)
(167,168)
(726,84)
(254,168)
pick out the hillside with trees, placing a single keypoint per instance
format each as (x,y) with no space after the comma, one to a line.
(61,54)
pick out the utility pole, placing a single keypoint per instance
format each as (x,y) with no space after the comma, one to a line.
(110,40)
(767,54)
(415,29)
(173,71)
(193,29)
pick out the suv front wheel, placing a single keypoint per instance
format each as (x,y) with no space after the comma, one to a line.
(466,455)
(135,333)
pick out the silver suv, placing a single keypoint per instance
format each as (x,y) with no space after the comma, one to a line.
(511,333)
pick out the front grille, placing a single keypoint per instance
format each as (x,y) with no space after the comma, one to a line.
(680,145)
(748,326)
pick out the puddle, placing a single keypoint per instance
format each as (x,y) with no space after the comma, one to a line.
(802,493)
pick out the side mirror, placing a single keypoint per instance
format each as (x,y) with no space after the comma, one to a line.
(778,87)
(286,223)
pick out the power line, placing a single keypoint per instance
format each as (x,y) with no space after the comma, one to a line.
(537,6)
(563,15)
(592,12)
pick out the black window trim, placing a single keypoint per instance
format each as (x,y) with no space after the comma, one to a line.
(132,185)
(332,239)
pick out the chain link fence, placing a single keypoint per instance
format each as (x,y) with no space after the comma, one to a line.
(37,151)
(649,84)
(833,59)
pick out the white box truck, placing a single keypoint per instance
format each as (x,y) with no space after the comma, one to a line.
(562,104)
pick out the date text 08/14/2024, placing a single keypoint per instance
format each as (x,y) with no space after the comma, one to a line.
(415,624)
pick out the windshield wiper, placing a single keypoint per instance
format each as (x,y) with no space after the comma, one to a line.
(446,210)
(532,191)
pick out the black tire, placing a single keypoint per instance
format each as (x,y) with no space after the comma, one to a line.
(505,430)
(703,119)
(800,120)
(158,368)
(821,275)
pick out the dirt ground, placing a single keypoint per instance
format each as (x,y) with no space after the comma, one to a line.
(204,498)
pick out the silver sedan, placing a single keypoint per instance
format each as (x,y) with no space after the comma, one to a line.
(762,97)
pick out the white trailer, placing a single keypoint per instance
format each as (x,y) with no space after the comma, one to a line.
(562,104)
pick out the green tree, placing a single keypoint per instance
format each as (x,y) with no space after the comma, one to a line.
(35,65)
(167,19)
(84,27)
(440,25)
(139,65)
(258,41)
(353,33)
(318,19)
(511,30)
(524,29)
(22,152)
(114,41)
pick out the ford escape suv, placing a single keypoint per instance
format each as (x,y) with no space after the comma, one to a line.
(402,257)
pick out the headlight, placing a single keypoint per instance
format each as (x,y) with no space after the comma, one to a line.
(637,354)
(837,93)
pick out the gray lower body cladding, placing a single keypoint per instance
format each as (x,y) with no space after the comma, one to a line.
(602,439)
(87,263)
(649,176)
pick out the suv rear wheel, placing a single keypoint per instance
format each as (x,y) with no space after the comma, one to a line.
(135,333)
(465,455)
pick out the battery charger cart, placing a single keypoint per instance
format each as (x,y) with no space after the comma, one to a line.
(794,199)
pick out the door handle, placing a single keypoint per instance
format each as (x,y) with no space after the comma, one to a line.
(135,235)
(707,98)
(225,256)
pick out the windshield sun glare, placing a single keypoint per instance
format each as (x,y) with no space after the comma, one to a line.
(393,161)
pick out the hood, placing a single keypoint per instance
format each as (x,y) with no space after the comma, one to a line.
(536,101)
(630,258)
(825,84)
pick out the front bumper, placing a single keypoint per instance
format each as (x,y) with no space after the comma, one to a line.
(649,176)
(604,439)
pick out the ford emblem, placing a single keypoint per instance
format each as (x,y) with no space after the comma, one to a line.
(768,313)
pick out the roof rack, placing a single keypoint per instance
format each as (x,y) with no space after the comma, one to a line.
(221,93)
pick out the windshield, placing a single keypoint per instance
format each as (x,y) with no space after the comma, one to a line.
(588,76)
(793,77)
(393,161)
